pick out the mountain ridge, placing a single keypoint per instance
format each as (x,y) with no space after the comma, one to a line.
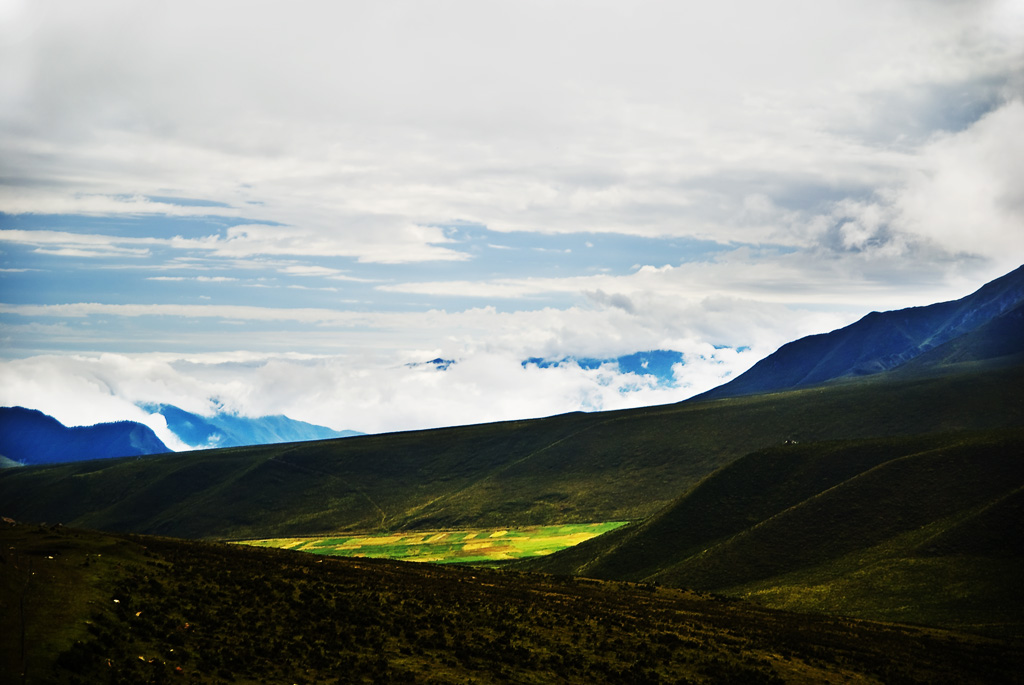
(878,342)
(29,436)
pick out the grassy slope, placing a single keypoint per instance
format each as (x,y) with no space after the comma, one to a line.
(571,468)
(223,613)
(917,529)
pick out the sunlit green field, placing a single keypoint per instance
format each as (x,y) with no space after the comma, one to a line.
(449,546)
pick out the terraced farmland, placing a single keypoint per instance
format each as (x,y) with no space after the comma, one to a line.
(476,545)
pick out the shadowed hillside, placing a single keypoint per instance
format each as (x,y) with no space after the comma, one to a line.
(575,468)
(863,515)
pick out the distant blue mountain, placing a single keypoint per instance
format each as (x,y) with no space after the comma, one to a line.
(438,363)
(230,430)
(982,326)
(32,437)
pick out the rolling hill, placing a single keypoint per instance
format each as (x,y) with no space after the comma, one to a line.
(782,523)
(572,468)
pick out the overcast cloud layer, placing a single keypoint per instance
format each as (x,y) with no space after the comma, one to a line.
(289,207)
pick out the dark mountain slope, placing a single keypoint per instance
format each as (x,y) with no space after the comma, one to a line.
(32,437)
(880,341)
(571,468)
(902,494)
(997,341)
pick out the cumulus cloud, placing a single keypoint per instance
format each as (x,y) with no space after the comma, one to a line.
(966,195)
(956,210)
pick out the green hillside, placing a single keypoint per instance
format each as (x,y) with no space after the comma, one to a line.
(923,529)
(575,468)
(85,607)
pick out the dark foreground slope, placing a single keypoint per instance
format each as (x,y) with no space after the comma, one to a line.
(924,529)
(882,341)
(572,468)
(32,437)
(82,607)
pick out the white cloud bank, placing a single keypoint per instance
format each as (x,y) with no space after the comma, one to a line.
(377,381)
(341,393)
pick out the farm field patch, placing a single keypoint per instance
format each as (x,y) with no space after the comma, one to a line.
(448,546)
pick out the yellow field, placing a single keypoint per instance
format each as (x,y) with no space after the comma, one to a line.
(448,546)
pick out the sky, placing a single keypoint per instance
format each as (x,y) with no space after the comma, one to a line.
(295,208)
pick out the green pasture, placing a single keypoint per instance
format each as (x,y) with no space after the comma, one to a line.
(448,546)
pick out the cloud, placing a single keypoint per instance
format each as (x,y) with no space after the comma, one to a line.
(965,195)
(957,207)
(815,276)
(616,300)
(310,270)
(658,120)
(76,244)
(199,279)
(363,381)
(603,331)
(415,243)
(342,393)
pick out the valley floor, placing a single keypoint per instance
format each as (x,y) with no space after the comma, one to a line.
(476,545)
